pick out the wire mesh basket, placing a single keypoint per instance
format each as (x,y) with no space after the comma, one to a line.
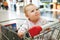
(53,34)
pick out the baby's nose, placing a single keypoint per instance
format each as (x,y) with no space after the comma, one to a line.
(36,12)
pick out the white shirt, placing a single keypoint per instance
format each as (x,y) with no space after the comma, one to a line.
(28,24)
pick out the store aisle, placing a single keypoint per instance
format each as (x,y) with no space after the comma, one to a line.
(7,14)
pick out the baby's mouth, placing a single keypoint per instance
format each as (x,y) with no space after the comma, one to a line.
(36,14)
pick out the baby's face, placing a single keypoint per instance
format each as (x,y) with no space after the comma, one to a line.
(33,12)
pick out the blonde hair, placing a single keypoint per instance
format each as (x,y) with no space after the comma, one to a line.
(25,11)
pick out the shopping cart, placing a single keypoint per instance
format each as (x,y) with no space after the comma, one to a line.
(9,34)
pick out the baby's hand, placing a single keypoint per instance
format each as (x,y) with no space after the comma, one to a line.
(48,29)
(20,34)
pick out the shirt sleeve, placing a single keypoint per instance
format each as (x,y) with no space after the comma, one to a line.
(23,28)
(44,24)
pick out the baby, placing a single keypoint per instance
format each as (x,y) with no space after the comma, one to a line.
(33,19)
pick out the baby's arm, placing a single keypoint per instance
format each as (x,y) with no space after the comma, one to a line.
(47,29)
(22,30)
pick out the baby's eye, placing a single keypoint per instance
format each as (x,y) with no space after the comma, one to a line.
(37,9)
(32,11)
